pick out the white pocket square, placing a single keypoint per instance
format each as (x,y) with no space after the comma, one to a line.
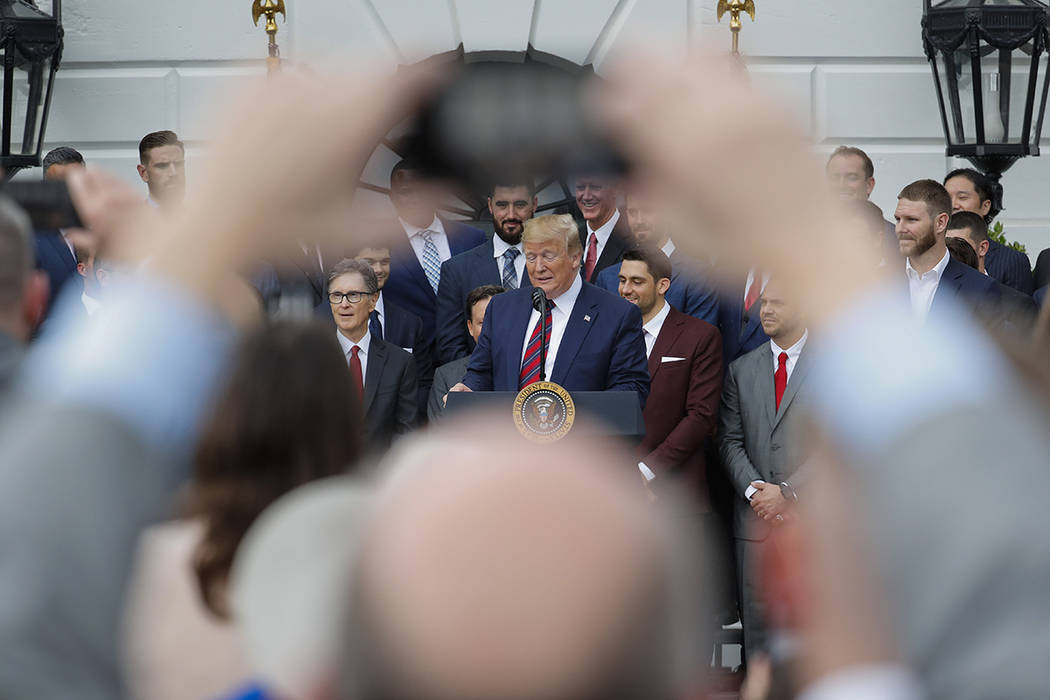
(671,359)
(408,350)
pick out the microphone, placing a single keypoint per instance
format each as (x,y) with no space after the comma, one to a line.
(539,302)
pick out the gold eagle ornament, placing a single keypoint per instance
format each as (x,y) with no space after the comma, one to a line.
(734,8)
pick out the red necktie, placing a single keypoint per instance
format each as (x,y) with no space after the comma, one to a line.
(780,377)
(530,365)
(355,371)
(753,291)
(591,259)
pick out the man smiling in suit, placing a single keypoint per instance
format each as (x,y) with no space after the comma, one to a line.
(594,338)
(605,234)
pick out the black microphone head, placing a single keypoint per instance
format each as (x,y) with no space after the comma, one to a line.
(539,299)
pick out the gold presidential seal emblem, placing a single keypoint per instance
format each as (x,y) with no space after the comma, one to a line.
(544,412)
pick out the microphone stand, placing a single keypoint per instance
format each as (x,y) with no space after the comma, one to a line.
(539,302)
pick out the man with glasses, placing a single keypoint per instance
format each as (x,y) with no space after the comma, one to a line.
(384,374)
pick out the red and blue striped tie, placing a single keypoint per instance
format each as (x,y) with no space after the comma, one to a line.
(530,366)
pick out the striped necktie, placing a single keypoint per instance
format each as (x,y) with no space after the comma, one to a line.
(431,259)
(530,365)
(510,275)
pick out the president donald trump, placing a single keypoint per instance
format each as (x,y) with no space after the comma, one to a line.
(595,340)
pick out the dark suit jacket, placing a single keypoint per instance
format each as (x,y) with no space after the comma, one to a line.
(1041,273)
(968,286)
(682,409)
(602,349)
(58,262)
(739,335)
(760,442)
(391,394)
(445,377)
(407,285)
(1009,266)
(1040,296)
(619,241)
(460,275)
(405,330)
(686,293)
(1019,309)
(293,284)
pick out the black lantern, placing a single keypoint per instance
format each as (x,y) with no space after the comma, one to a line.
(989,60)
(31,45)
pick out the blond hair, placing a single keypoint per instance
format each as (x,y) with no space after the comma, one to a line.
(553,227)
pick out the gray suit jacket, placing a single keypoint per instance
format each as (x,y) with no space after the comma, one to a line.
(758,441)
(446,376)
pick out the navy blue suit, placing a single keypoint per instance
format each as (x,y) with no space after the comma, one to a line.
(1041,273)
(405,330)
(407,285)
(739,335)
(460,275)
(686,293)
(969,287)
(604,353)
(1040,295)
(1009,266)
(55,258)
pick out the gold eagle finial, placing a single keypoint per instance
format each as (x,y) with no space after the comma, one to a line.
(734,8)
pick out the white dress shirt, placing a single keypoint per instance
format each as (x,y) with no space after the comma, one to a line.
(559,320)
(437,235)
(668,248)
(91,304)
(362,354)
(652,327)
(499,247)
(875,682)
(603,233)
(750,279)
(922,287)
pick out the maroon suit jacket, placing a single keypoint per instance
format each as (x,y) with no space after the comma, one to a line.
(682,410)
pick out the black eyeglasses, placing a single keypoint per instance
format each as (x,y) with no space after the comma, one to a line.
(336,298)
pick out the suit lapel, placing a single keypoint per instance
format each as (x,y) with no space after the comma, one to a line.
(575,333)
(614,247)
(948,287)
(669,333)
(798,375)
(764,386)
(308,266)
(376,361)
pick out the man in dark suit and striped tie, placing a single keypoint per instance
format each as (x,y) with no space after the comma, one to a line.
(498,261)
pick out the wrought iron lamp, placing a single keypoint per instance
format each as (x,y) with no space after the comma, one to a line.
(31,46)
(989,61)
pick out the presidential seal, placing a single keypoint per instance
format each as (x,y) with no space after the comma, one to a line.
(544,412)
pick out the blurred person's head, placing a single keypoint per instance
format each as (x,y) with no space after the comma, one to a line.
(868,220)
(549,577)
(973,229)
(352,293)
(645,275)
(415,198)
(961,251)
(287,416)
(477,303)
(85,254)
(23,291)
(377,257)
(552,252)
(781,318)
(596,197)
(511,205)
(644,218)
(162,166)
(851,173)
(59,162)
(971,191)
(922,213)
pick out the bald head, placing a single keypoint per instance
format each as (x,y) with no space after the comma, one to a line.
(543,575)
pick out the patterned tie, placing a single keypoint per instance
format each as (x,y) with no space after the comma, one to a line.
(355,371)
(780,377)
(431,259)
(753,291)
(375,326)
(510,275)
(591,259)
(530,365)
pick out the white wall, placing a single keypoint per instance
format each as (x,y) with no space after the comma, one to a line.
(852,70)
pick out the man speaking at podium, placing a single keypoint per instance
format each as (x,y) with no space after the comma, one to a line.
(593,339)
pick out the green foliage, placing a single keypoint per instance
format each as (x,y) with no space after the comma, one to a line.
(996,234)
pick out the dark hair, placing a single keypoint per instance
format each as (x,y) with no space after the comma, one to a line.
(961,251)
(156,139)
(63,155)
(485,291)
(657,261)
(982,185)
(969,221)
(288,415)
(403,164)
(869,167)
(931,193)
(348,265)
(514,181)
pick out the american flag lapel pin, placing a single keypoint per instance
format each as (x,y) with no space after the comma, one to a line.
(587,319)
